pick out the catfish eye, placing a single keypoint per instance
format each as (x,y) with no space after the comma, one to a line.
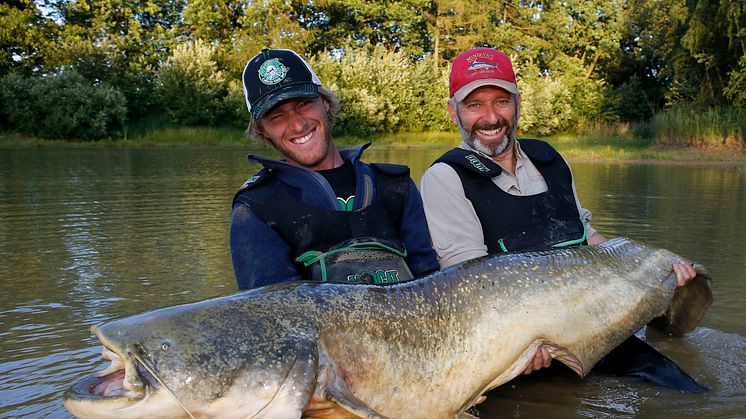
(165,345)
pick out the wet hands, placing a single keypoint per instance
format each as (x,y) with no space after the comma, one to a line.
(684,273)
(542,359)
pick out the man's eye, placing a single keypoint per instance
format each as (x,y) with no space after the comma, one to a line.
(502,102)
(473,105)
(274,117)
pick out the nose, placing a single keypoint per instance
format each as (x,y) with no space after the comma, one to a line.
(296,121)
(491,113)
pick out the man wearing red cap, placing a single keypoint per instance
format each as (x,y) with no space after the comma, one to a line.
(495,193)
(319,213)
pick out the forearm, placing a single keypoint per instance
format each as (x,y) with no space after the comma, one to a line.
(596,238)
(421,258)
(259,255)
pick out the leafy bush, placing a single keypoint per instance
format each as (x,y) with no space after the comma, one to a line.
(545,103)
(191,89)
(234,103)
(384,91)
(65,105)
(555,102)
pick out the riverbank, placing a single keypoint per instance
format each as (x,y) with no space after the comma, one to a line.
(573,147)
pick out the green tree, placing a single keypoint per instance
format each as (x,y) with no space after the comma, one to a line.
(384,91)
(121,42)
(191,89)
(65,105)
(26,37)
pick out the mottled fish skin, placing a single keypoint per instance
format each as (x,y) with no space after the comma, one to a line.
(426,348)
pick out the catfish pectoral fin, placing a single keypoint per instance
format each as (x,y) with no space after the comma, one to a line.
(563,355)
(347,401)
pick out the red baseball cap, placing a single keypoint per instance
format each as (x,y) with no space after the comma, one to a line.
(481,67)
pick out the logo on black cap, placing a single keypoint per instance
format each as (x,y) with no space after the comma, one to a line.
(272,72)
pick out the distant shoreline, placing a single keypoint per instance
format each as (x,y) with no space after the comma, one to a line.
(573,147)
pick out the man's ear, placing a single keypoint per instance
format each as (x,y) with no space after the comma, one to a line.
(452,112)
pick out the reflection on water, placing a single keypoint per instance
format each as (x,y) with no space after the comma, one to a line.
(90,235)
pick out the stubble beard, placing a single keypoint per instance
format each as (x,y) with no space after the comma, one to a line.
(311,160)
(471,139)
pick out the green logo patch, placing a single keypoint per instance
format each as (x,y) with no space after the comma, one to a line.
(272,72)
(379,277)
(346,204)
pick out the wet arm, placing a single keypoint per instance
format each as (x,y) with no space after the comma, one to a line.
(421,258)
(260,257)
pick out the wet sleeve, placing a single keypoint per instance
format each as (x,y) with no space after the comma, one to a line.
(454,226)
(260,257)
(421,257)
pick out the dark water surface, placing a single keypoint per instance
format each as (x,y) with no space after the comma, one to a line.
(91,235)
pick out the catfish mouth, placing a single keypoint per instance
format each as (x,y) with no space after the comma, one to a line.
(125,378)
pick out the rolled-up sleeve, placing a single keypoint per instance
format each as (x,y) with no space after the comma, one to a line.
(454,226)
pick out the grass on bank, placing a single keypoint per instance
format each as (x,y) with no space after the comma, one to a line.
(572,146)
(715,134)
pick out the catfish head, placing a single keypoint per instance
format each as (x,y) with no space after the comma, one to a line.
(203,359)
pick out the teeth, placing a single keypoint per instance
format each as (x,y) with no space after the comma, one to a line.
(302,140)
(116,363)
(490,132)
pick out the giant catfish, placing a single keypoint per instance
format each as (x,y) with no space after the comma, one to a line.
(427,348)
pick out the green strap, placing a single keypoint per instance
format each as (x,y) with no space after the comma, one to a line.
(563,244)
(576,241)
(312,256)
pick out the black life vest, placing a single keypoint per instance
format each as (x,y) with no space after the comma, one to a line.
(307,228)
(514,223)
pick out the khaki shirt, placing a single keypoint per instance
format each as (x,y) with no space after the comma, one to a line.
(454,226)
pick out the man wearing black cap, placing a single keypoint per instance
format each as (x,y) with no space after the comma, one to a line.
(320,213)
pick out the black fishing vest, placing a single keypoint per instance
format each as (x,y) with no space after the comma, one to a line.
(520,223)
(308,228)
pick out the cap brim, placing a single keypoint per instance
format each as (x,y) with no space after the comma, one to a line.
(291,91)
(464,91)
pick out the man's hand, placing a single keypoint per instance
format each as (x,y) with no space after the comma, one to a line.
(684,273)
(542,359)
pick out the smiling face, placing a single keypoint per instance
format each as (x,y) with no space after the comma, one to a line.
(486,119)
(300,129)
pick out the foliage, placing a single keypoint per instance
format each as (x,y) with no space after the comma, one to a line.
(190,86)
(736,89)
(120,42)
(579,62)
(62,106)
(717,128)
(383,91)
(25,36)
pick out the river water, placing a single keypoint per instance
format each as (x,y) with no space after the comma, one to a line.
(87,235)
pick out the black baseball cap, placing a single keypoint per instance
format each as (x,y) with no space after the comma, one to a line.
(275,75)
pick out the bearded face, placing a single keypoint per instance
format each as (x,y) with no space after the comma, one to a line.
(487,119)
